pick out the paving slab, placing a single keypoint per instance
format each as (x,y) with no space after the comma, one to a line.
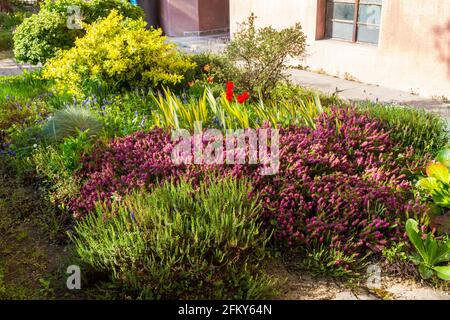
(348,295)
(211,43)
(9,67)
(402,292)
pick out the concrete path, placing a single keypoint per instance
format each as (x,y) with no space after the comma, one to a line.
(9,66)
(213,43)
(357,91)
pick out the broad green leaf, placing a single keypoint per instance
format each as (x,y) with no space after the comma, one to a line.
(412,230)
(438,171)
(444,157)
(443,272)
(431,249)
(428,184)
(425,272)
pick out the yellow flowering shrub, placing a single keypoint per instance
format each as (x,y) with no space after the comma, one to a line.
(118,53)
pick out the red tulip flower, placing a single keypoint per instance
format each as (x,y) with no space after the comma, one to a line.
(229,91)
(243,97)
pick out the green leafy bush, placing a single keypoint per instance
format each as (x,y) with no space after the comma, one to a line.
(437,183)
(16,115)
(261,55)
(180,242)
(290,92)
(215,65)
(118,53)
(40,36)
(430,252)
(55,166)
(69,122)
(426,132)
(8,22)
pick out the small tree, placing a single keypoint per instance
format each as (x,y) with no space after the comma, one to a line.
(261,55)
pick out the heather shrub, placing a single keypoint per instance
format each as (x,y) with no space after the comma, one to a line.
(180,242)
(261,55)
(426,132)
(136,161)
(68,122)
(43,34)
(343,184)
(118,53)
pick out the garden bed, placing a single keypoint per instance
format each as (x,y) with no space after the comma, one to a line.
(163,175)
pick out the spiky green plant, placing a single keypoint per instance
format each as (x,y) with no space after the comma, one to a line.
(69,122)
(180,241)
(171,111)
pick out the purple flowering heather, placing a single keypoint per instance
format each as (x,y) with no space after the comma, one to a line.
(343,184)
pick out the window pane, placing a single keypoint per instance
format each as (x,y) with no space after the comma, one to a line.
(343,11)
(340,30)
(370,14)
(368,34)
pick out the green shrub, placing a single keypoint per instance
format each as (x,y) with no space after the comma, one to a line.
(55,166)
(8,22)
(40,36)
(214,65)
(16,115)
(262,55)
(426,132)
(69,122)
(289,92)
(118,53)
(180,242)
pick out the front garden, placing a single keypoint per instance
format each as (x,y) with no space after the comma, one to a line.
(87,150)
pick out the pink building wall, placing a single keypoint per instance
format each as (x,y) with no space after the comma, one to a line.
(187,17)
(413,53)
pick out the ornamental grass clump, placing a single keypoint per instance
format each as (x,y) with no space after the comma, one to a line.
(180,242)
(69,122)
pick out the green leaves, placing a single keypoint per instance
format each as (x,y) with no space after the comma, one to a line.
(431,252)
(261,55)
(180,241)
(437,184)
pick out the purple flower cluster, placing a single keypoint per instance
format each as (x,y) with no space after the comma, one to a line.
(342,184)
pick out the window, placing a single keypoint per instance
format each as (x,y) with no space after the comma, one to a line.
(354,20)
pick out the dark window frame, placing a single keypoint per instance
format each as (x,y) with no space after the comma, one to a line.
(355,21)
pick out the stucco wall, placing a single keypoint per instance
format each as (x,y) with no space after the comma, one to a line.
(413,53)
(180,17)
